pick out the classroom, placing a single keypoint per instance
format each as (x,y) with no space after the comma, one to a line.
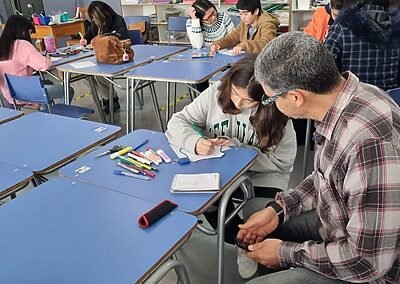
(200,141)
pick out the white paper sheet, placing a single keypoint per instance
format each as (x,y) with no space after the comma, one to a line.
(83,64)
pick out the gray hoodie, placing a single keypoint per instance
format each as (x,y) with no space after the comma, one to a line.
(270,169)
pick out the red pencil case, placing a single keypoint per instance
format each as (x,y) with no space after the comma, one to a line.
(156,213)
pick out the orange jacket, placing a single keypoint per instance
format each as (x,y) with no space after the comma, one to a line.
(319,25)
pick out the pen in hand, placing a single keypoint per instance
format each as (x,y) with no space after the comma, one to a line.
(198,131)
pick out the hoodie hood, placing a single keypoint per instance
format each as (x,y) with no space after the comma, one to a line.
(266,17)
(371,22)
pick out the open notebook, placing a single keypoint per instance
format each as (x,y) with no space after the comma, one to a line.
(197,183)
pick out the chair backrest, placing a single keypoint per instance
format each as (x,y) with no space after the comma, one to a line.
(395,94)
(135,36)
(27,88)
(131,20)
(235,20)
(177,24)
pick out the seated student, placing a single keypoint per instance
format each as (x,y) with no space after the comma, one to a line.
(322,19)
(341,224)
(19,57)
(256,29)
(206,25)
(233,108)
(104,20)
(365,39)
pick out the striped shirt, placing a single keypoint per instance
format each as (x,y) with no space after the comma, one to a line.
(354,188)
(204,35)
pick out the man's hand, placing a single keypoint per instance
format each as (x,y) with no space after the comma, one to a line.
(214,48)
(266,252)
(237,50)
(258,226)
(204,146)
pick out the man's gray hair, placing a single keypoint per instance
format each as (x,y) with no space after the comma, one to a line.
(295,60)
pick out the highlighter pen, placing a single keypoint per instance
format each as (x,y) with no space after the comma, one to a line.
(151,157)
(126,167)
(80,34)
(121,173)
(120,152)
(134,162)
(142,171)
(198,131)
(140,155)
(139,159)
(141,144)
(158,158)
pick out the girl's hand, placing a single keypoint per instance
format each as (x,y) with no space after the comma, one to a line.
(192,12)
(204,147)
(214,48)
(236,50)
(83,42)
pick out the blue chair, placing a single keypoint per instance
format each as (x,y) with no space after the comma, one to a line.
(235,20)
(129,20)
(395,94)
(136,37)
(31,89)
(176,24)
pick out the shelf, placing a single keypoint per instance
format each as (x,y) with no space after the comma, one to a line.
(303,10)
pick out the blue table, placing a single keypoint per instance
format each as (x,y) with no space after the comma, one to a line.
(217,77)
(231,167)
(71,58)
(42,143)
(7,114)
(68,232)
(218,57)
(143,54)
(179,71)
(12,179)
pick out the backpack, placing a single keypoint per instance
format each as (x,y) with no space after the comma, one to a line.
(110,50)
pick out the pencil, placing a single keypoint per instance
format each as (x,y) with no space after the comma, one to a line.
(80,34)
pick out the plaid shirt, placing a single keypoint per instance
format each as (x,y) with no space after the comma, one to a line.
(355,190)
(373,63)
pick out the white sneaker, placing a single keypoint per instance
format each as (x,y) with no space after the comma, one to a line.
(246,266)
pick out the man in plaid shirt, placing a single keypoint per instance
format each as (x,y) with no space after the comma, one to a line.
(366,41)
(342,223)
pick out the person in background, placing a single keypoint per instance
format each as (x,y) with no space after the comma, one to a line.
(365,39)
(233,109)
(255,30)
(19,57)
(104,20)
(206,25)
(341,223)
(322,19)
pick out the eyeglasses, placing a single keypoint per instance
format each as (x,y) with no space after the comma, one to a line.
(266,101)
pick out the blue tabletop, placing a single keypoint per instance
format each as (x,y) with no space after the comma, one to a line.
(230,166)
(178,71)
(143,54)
(218,76)
(7,114)
(156,52)
(70,58)
(187,55)
(39,142)
(67,232)
(12,178)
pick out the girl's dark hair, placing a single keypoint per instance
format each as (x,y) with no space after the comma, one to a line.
(101,14)
(336,4)
(249,5)
(201,7)
(362,3)
(268,121)
(17,27)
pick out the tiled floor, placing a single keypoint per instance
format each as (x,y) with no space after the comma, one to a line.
(199,252)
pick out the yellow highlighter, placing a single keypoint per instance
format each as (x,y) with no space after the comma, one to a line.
(80,34)
(120,152)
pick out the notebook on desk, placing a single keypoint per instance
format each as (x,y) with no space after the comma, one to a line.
(195,183)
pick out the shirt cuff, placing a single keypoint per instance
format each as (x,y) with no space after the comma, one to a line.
(286,254)
(190,143)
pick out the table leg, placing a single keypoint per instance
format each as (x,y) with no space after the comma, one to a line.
(306,148)
(96,100)
(66,78)
(221,221)
(111,100)
(128,101)
(167,103)
(165,268)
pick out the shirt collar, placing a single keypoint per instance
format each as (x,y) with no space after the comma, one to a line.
(327,125)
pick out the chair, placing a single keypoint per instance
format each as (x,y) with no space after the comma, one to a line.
(235,20)
(134,23)
(31,89)
(395,94)
(176,24)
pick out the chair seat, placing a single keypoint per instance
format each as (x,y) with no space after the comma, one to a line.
(69,110)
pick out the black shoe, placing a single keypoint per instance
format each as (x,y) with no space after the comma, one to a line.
(106,105)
